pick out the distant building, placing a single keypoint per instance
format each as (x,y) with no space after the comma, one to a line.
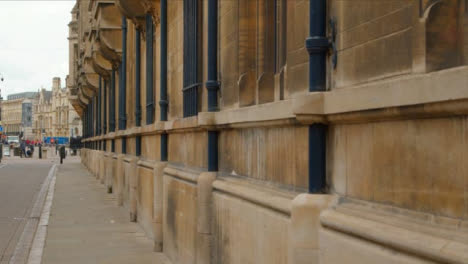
(16,110)
(53,115)
(25,95)
(26,119)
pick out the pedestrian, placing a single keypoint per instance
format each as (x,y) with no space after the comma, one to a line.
(62,154)
(23,149)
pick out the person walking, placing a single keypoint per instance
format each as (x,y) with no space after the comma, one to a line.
(62,154)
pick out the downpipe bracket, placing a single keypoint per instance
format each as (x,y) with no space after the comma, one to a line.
(320,44)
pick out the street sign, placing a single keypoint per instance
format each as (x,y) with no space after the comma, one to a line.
(1,129)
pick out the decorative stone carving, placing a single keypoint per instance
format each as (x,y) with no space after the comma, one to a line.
(108,30)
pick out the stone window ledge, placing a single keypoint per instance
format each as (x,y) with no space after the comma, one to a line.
(268,197)
(435,238)
(437,94)
(442,93)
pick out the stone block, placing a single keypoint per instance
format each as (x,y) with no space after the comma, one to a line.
(304,245)
(145,200)
(158,198)
(340,248)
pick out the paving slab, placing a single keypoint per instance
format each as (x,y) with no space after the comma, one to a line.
(86,225)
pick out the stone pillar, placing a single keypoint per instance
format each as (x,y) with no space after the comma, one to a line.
(102,174)
(204,206)
(304,229)
(120,174)
(158,197)
(133,195)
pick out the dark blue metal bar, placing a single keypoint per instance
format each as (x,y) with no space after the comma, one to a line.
(317,46)
(93,116)
(124,145)
(163,103)
(90,118)
(164,144)
(99,106)
(123,79)
(137,78)
(88,127)
(149,70)
(112,103)
(104,123)
(84,124)
(138,146)
(317,159)
(212,84)
(212,150)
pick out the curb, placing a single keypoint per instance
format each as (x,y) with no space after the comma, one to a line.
(31,242)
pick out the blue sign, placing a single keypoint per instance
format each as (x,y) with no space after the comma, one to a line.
(1,129)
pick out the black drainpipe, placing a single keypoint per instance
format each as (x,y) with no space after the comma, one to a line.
(93,116)
(163,96)
(149,69)
(138,90)
(124,145)
(137,78)
(104,123)
(99,106)
(123,79)
(112,103)
(212,84)
(84,123)
(317,46)
(163,103)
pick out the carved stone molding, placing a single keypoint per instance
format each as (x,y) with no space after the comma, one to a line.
(136,10)
(108,21)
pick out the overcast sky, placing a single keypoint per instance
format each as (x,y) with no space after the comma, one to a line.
(33,43)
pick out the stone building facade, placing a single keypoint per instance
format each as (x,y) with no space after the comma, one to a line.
(53,114)
(253,131)
(17,114)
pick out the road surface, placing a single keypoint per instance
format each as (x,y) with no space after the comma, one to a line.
(20,181)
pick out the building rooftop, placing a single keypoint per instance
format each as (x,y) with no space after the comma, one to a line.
(24,95)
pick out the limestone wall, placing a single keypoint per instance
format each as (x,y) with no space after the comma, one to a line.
(275,155)
(374,40)
(145,200)
(414,164)
(395,108)
(247,233)
(180,220)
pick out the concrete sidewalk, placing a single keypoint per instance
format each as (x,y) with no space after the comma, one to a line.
(86,226)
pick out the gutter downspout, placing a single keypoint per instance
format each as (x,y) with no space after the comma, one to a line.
(112,103)
(317,46)
(149,69)
(163,103)
(99,106)
(212,84)
(104,124)
(123,79)
(137,78)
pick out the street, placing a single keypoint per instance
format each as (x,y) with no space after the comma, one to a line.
(20,181)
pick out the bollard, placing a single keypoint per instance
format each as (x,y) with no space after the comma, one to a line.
(40,152)
(1,151)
